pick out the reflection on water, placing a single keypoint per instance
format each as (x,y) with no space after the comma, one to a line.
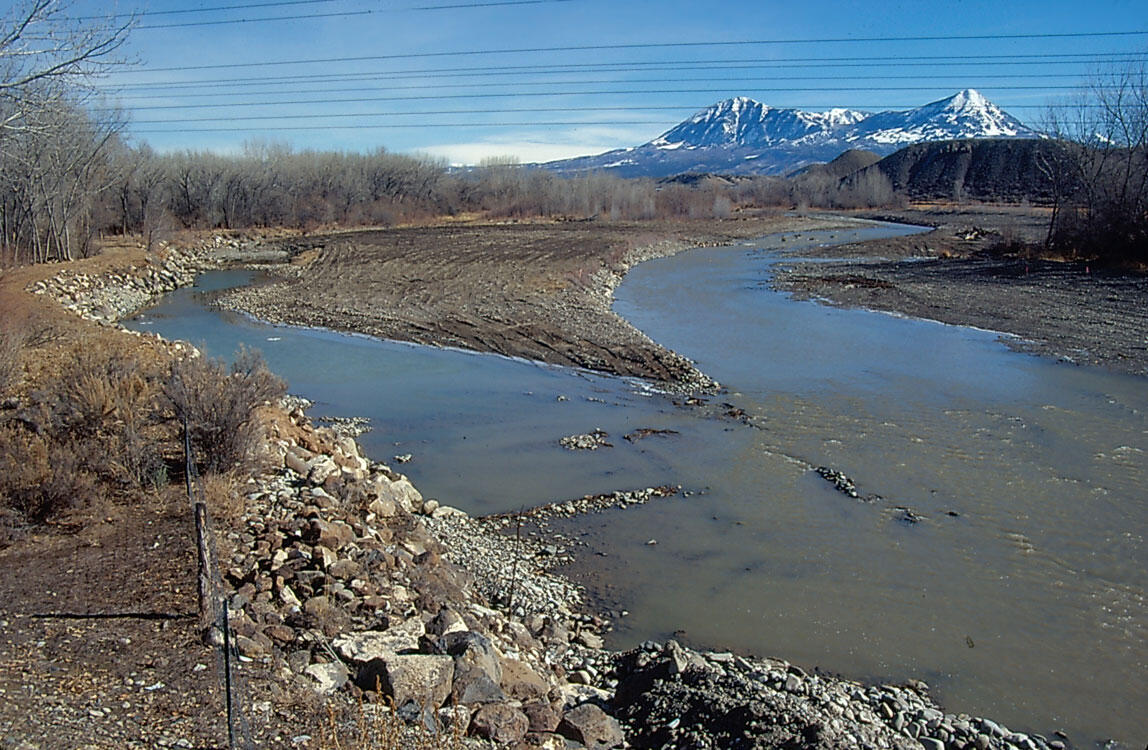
(1019,594)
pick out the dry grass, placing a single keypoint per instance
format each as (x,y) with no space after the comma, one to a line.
(377,727)
(223,498)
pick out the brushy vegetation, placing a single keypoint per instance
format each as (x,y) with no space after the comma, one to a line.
(218,405)
(375,727)
(108,423)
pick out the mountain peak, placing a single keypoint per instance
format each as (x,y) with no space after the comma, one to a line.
(969,98)
(740,135)
(965,114)
(741,121)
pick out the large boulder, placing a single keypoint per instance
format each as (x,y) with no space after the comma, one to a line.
(591,726)
(520,682)
(368,645)
(500,723)
(327,678)
(447,621)
(330,534)
(400,491)
(422,679)
(320,468)
(542,716)
(477,668)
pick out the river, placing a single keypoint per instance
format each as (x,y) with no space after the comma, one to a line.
(998,553)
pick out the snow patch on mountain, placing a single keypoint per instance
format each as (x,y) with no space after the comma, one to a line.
(744,135)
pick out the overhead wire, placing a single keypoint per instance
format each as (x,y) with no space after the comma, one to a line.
(384,126)
(588,82)
(346,13)
(554,94)
(455,77)
(650,45)
(212,9)
(639,66)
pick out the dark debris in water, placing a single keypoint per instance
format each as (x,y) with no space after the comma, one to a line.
(645,432)
(908,515)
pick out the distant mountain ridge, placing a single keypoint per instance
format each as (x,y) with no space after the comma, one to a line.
(744,136)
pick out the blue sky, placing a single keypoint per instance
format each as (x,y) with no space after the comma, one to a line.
(439,80)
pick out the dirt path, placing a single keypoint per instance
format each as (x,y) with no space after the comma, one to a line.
(538,291)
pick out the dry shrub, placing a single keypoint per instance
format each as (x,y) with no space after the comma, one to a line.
(13,338)
(40,479)
(92,429)
(218,406)
(112,403)
(11,344)
(223,498)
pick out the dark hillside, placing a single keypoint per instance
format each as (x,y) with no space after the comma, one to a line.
(844,165)
(979,169)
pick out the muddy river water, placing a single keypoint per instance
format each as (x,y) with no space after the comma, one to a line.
(997,551)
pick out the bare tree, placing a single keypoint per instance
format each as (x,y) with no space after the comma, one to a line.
(1102,171)
(53,151)
(45,55)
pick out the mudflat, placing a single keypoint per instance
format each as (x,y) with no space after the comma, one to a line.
(964,272)
(540,291)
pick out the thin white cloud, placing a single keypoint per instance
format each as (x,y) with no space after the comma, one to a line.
(538,147)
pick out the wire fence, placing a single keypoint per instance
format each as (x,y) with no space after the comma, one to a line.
(214,616)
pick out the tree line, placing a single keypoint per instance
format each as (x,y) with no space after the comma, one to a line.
(68,174)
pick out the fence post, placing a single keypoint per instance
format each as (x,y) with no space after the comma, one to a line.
(206,606)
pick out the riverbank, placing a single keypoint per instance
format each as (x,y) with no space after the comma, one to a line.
(963,273)
(336,570)
(539,291)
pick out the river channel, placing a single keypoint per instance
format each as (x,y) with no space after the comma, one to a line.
(997,551)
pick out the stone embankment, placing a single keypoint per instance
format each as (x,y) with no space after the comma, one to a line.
(342,581)
(342,573)
(113,295)
(361,583)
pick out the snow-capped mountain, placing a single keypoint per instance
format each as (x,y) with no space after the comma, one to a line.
(743,121)
(743,136)
(966,114)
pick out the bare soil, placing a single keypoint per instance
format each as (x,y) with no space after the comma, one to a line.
(99,645)
(540,291)
(967,271)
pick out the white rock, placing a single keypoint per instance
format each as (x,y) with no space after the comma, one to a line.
(366,645)
(327,677)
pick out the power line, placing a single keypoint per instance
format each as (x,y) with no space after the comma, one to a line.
(386,126)
(637,66)
(423,113)
(347,13)
(240,83)
(658,45)
(184,11)
(585,82)
(503,110)
(504,95)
